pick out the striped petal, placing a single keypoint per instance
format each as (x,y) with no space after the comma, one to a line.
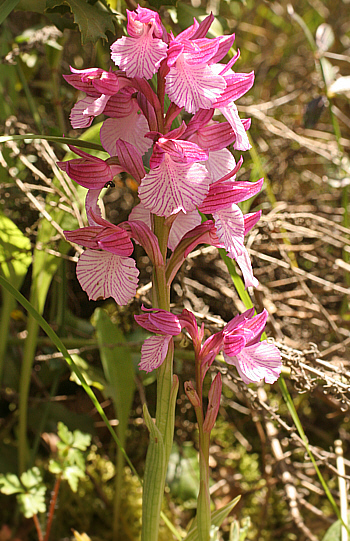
(230,229)
(172,187)
(220,163)
(230,112)
(131,128)
(153,352)
(257,362)
(181,225)
(103,275)
(139,57)
(193,87)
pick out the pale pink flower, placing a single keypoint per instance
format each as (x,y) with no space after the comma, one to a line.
(253,359)
(140,53)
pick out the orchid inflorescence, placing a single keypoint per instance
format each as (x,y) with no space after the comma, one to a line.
(190,173)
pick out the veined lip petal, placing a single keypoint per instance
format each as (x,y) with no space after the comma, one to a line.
(172,187)
(193,87)
(141,56)
(153,352)
(257,362)
(103,275)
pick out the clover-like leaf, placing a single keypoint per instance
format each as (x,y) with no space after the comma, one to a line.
(72,474)
(31,478)
(10,484)
(33,502)
(64,434)
(81,441)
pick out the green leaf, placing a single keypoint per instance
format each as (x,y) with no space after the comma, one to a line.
(81,441)
(38,6)
(239,533)
(93,21)
(64,434)
(217,519)
(6,6)
(15,251)
(93,376)
(183,472)
(31,478)
(334,532)
(10,484)
(117,366)
(55,467)
(72,474)
(33,502)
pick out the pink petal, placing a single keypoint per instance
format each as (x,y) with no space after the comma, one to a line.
(142,234)
(233,344)
(257,324)
(130,159)
(202,30)
(82,79)
(89,173)
(237,85)
(103,275)
(219,163)
(78,116)
(120,105)
(97,106)
(180,150)
(139,57)
(181,225)
(225,45)
(189,322)
(91,204)
(216,136)
(131,128)
(222,194)
(172,187)
(250,220)
(153,352)
(238,321)
(141,18)
(244,263)
(257,362)
(193,87)
(231,114)
(229,224)
(141,214)
(166,322)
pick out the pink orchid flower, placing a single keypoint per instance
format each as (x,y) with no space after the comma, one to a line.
(254,360)
(239,341)
(104,269)
(141,53)
(176,181)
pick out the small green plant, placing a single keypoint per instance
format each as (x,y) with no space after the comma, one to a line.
(30,489)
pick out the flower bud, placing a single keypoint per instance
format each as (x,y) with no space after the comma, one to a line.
(213,404)
(192,394)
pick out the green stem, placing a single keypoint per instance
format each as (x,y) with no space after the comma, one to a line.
(24,384)
(203,501)
(8,304)
(160,441)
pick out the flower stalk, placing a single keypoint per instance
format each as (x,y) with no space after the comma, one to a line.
(191,173)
